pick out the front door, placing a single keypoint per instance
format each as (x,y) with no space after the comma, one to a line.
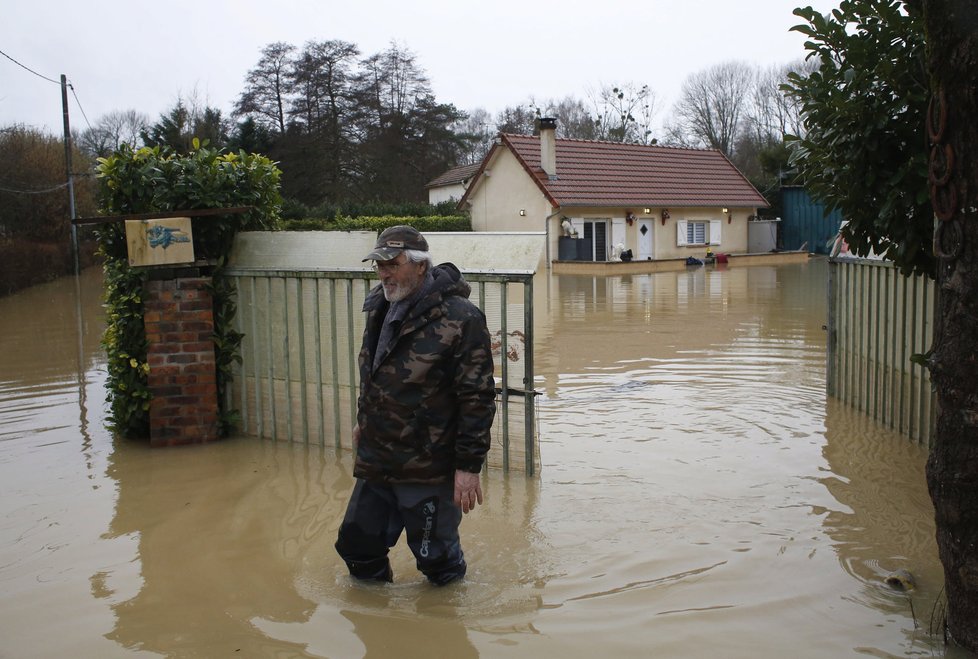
(645,229)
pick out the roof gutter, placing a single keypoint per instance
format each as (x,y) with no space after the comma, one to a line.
(546,231)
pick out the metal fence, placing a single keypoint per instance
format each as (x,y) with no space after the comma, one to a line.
(804,222)
(298,378)
(877,320)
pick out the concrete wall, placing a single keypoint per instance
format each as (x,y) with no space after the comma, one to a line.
(343,250)
(762,235)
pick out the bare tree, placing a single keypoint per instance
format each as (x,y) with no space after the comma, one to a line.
(624,113)
(773,112)
(405,135)
(517,119)
(712,107)
(267,87)
(769,115)
(318,145)
(392,82)
(112,130)
(574,120)
(322,80)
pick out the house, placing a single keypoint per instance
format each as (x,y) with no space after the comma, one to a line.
(451,185)
(595,199)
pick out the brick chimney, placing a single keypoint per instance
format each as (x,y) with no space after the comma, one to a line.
(547,127)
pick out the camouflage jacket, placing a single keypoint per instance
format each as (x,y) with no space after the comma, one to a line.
(427,409)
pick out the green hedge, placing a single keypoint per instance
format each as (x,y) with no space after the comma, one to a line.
(296,210)
(379,223)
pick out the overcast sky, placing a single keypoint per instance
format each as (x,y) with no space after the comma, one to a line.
(135,54)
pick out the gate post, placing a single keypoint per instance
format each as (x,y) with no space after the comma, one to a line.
(179,321)
(831,330)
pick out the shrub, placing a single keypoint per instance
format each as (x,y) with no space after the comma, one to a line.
(156,179)
(378,224)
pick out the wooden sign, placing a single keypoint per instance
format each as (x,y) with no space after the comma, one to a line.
(167,241)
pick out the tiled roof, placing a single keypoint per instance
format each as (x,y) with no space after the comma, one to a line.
(454,175)
(613,174)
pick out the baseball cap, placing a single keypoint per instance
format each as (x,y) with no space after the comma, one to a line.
(395,240)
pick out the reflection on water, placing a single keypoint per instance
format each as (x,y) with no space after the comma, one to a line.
(699,497)
(895,523)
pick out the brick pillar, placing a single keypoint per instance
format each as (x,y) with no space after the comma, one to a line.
(179,321)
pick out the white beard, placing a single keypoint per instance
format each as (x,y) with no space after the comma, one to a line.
(396,292)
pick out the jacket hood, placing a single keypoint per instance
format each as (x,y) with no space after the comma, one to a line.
(449,281)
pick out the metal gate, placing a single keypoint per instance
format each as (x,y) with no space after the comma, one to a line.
(298,376)
(877,320)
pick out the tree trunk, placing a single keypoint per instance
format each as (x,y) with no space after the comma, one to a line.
(952,468)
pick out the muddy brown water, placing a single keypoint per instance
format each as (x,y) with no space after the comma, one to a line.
(699,497)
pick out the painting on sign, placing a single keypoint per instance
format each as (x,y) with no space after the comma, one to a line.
(160,242)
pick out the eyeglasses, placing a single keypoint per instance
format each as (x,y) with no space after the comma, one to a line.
(386,267)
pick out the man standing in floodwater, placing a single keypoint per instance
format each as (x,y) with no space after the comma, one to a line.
(427,401)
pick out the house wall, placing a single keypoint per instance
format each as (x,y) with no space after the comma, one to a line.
(737,231)
(496,203)
(733,234)
(442,193)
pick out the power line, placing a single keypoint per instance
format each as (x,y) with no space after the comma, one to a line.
(27,68)
(72,88)
(44,191)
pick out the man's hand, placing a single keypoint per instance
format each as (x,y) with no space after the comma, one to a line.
(468,490)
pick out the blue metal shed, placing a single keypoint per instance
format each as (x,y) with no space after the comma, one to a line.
(805,222)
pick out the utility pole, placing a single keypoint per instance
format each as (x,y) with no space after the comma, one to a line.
(71,180)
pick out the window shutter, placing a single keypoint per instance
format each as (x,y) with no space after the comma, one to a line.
(715,229)
(617,232)
(681,233)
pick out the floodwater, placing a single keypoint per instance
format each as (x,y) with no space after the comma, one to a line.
(699,497)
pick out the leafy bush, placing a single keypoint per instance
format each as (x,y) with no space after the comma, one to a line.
(157,179)
(864,110)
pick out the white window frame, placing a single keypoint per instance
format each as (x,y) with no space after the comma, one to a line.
(711,232)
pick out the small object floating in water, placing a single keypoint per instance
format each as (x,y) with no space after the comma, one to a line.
(900,580)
